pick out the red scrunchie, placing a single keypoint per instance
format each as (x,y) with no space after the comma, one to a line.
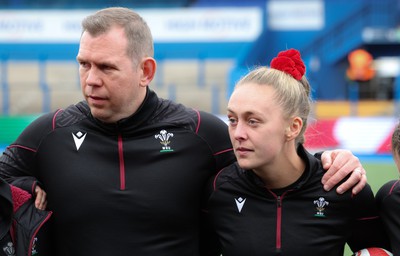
(290,62)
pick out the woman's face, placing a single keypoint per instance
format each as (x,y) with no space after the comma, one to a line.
(257,126)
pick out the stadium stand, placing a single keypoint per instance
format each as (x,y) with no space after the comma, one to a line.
(216,72)
(26,102)
(75,4)
(62,75)
(200,84)
(25,94)
(200,74)
(180,73)
(23,75)
(62,79)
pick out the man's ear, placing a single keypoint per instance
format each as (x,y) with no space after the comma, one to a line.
(148,67)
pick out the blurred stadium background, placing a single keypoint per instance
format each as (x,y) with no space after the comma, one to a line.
(204,46)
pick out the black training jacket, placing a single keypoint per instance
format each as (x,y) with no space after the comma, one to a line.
(388,200)
(301,219)
(20,222)
(129,188)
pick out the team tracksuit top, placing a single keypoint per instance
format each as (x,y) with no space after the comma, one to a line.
(20,221)
(129,188)
(301,219)
(388,200)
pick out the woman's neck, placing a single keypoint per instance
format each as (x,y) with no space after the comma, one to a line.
(283,171)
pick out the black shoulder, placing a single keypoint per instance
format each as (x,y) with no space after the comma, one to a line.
(71,115)
(36,130)
(47,123)
(390,189)
(209,123)
(173,113)
(231,173)
(215,132)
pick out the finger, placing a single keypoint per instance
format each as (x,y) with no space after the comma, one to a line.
(38,202)
(360,185)
(40,198)
(38,189)
(326,159)
(43,206)
(356,181)
(343,164)
(340,173)
(43,201)
(337,165)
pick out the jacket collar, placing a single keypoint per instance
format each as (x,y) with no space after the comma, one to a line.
(312,166)
(143,114)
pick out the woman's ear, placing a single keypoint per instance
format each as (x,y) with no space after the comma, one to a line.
(148,67)
(294,128)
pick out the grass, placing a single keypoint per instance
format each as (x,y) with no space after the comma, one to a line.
(378,173)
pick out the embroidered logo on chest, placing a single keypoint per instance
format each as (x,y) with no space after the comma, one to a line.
(9,249)
(240,203)
(320,204)
(164,138)
(79,137)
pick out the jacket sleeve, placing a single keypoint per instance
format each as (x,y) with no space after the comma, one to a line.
(17,163)
(215,132)
(367,229)
(209,242)
(388,201)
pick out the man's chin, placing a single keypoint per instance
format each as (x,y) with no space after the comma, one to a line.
(100,115)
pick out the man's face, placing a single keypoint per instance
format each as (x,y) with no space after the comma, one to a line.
(110,81)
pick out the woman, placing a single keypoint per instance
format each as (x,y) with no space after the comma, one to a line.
(271,201)
(388,198)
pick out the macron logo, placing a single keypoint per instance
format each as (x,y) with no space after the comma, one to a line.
(79,137)
(239,203)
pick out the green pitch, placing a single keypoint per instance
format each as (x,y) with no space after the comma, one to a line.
(380,173)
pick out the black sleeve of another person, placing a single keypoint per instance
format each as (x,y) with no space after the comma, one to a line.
(209,242)
(368,230)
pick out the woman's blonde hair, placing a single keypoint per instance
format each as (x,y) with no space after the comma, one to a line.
(291,94)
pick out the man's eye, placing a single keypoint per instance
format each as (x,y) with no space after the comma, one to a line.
(252,122)
(106,67)
(232,120)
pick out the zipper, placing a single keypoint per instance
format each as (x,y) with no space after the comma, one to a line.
(279,199)
(278,223)
(121,162)
(36,231)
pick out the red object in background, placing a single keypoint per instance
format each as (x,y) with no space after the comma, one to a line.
(386,146)
(320,135)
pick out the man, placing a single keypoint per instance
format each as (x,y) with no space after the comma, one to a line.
(124,170)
